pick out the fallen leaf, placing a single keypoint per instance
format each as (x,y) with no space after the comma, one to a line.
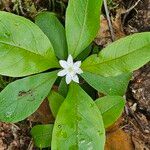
(118,140)
(43,114)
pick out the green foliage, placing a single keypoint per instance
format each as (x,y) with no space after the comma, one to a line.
(24,48)
(63,88)
(108,85)
(82,24)
(54,30)
(27,48)
(42,135)
(85,53)
(23,97)
(111,108)
(78,123)
(55,101)
(122,56)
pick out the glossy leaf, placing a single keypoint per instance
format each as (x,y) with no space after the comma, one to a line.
(23,97)
(124,55)
(55,31)
(24,48)
(55,101)
(78,124)
(82,24)
(108,85)
(111,108)
(42,135)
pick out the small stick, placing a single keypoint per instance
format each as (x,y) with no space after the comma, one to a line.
(132,7)
(126,14)
(21,8)
(136,118)
(109,21)
(30,146)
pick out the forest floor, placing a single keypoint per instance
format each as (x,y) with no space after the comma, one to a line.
(132,130)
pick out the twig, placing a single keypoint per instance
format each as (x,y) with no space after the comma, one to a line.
(126,14)
(20,7)
(30,146)
(109,21)
(136,118)
(132,7)
(15,126)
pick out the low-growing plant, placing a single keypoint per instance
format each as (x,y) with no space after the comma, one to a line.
(27,49)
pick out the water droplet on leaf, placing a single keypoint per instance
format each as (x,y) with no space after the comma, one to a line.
(8,114)
(82,141)
(63,134)
(100,133)
(91,105)
(59,126)
(7,34)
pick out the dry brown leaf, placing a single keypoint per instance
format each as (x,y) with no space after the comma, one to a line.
(43,114)
(118,140)
(103,36)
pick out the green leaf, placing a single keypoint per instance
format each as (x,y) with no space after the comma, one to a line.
(84,54)
(78,124)
(55,101)
(63,88)
(42,135)
(23,97)
(111,108)
(82,24)
(89,90)
(24,48)
(108,85)
(124,55)
(55,31)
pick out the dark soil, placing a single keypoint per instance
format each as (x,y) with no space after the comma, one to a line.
(137,122)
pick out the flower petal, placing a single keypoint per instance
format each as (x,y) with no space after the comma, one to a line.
(68,78)
(79,71)
(70,60)
(75,79)
(62,73)
(63,63)
(77,64)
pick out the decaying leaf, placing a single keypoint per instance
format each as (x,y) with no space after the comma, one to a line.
(43,114)
(118,140)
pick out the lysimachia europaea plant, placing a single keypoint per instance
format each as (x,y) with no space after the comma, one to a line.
(30,49)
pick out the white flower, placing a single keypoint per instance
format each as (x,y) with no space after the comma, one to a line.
(70,70)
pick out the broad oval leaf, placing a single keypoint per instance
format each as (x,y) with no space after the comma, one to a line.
(82,24)
(111,108)
(55,101)
(124,55)
(55,31)
(42,135)
(115,85)
(24,48)
(23,97)
(79,124)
